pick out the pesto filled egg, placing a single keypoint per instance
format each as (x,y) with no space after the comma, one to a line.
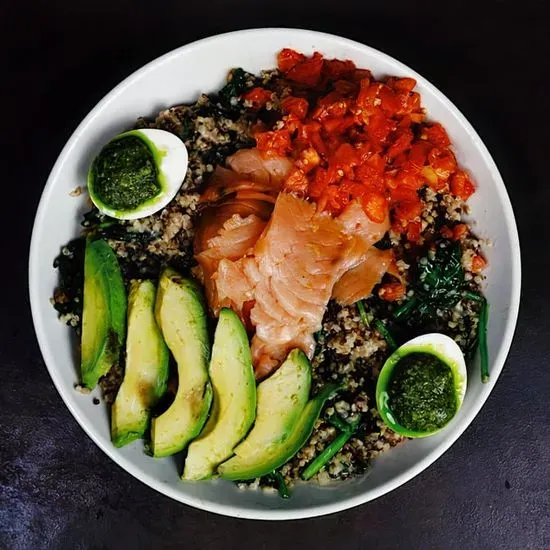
(137,173)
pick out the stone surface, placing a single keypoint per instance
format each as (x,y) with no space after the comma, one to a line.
(490,490)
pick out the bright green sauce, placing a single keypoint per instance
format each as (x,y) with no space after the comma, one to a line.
(422,394)
(125,174)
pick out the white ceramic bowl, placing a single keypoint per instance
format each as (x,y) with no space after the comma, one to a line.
(179,77)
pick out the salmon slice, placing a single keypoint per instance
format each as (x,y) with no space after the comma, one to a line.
(249,172)
(239,203)
(270,171)
(251,195)
(212,218)
(368,264)
(290,273)
(232,288)
(266,357)
(224,182)
(357,283)
(234,239)
(237,236)
(358,224)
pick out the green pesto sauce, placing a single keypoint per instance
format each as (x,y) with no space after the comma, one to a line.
(422,393)
(125,174)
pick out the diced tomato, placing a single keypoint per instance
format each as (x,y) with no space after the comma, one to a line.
(379,128)
(288,59)
(258,97)
(333,200)
(407,211)
(359,140)
(432,179)
(478,264)
(357,135)
(409,104)
(345,87)
(274,143)
(331,125)
(335,69)
(414,231)
(366,99)
(364,151)
(338,125)
(310,135)
(297,182)
(328,99)
(318,183)
(388,100)
(345,158)
(307,72)
(309,160)
(354,189)
(402,193)
(293,124)
(401,84)
(370,177)
(443,162)
(333,142)
(401,144)
(375,206)
(457,233)
(361,74)
(418,155)
(332,105)
(446,232)
(376,162)
(412,180)
(389,179)
(460,231)
(296,106)
(436,134)
(461,185)
(400,161)
(391,292)
(405,122)
(257,128)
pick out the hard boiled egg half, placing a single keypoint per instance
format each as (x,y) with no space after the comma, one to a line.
(137,173)
(422,385)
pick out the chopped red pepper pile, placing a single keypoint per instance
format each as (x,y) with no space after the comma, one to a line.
(354,137)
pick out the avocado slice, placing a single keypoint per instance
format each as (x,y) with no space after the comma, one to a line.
(266,460)
(146,371)
(282,399)
(181,316)
(234,402)
(104,312)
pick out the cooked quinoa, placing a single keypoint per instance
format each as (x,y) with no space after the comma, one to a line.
(348,351)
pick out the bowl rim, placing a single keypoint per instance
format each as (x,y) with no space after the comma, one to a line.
(235,510)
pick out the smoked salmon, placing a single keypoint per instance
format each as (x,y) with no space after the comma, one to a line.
(236,205)
(277,260)
(271,171)
(357,283)
(290,274)
(370,264)
(234,239)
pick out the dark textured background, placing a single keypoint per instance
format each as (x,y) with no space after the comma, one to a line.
(491,490)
